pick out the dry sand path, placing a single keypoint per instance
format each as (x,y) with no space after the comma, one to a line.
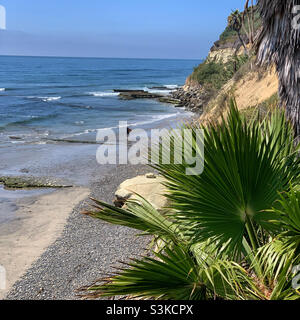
(38,223)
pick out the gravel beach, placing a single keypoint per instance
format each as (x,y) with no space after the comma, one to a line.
(87,250)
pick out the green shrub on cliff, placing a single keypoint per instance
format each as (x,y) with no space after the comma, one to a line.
(214,74)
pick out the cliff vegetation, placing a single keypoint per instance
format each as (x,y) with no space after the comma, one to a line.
(230,70)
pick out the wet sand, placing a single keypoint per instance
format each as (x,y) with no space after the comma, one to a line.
(36,224)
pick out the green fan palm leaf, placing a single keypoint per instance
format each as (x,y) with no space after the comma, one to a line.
(175,275)
(139,215)
(244,170)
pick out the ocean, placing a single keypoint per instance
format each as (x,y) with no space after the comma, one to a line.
(47,102)
(44,98)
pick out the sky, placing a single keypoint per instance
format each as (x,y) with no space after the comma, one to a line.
(183,29)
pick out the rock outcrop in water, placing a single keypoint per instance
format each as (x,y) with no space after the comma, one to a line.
(30,182)
(142,94)
(191,99)
(137,94)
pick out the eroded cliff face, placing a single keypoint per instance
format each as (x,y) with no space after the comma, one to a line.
(250,91)
(250,86)
(222,55)
(225,54)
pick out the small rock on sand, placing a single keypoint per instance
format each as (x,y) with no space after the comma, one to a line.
(150,176)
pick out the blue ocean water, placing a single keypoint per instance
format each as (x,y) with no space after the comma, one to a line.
(42,97)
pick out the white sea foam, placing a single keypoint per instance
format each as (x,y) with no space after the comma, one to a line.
(82,133)
(154,118)
(103,94)
(171,86)
(2,89)
(40,142)
(130,125)
(157,91)
(45,99)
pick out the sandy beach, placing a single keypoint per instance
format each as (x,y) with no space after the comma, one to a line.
(38,222)
(52,250)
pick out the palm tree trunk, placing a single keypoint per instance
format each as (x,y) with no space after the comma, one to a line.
(252,21)
(289,94)
(279,43)
(243,43)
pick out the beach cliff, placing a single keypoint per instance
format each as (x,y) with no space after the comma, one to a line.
(228,72)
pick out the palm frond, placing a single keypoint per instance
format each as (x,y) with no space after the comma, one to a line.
(244,170)
(277,260)
(139,215)
(288,212)
(175,275)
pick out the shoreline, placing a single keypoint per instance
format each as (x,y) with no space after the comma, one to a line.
(70,251)
(82,249)
(38,222)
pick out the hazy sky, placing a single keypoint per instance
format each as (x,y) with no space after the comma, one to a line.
(114,28)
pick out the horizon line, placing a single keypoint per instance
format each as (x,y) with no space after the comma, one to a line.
(94,57)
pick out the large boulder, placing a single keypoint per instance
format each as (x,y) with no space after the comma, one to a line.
(148,186)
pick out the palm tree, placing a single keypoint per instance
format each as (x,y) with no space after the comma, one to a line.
(232,232)
(279,43)
(249,14)
(236,22)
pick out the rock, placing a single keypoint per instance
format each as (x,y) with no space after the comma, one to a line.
(29,182)
(150,189)
(24,170)
(160,88)
(169,100)
(137,94)
(192,96)
(121,196)
(15,138)
(128,91)
(150,176)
